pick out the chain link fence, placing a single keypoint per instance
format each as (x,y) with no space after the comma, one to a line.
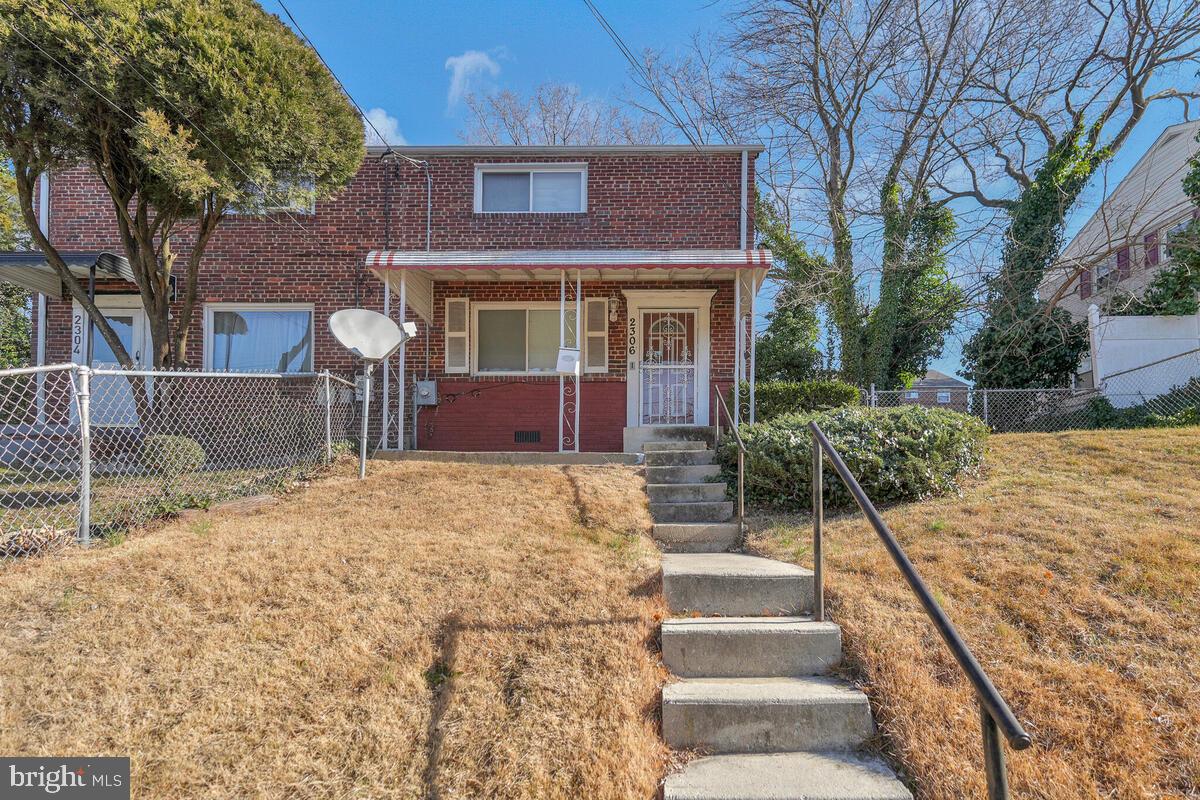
(1162,393)
(88,453)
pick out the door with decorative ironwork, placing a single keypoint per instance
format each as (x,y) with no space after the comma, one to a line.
(668,367)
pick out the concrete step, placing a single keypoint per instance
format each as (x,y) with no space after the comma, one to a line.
(684,474)
(685,492)
(679,458)
(750,647)
(703,511)
(765,715)
(696,537)
(786,776)
(732,584)
(634,438)
(678,444)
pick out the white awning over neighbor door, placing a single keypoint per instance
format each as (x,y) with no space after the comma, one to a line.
(423,267)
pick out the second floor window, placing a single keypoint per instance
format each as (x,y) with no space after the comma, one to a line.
(539,188)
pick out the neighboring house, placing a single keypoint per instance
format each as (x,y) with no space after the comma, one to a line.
(1127,240)
(645,250)
(937,389)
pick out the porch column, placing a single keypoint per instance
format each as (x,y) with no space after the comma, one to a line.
(562,342)
(737,348)
(579,347)
(401,394)
(753,343)
(384,410)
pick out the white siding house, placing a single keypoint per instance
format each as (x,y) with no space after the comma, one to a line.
(1124,244)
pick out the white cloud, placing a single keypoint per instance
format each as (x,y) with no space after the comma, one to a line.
(465,70)
(388,126)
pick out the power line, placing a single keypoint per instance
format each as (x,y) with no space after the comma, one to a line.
(641,71)
(103,40)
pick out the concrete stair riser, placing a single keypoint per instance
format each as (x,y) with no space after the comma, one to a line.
(717,511)
(733,585)
(698,474)
(786,776)
(765,715)
(685,492)
(679,458)
(696,537)
(680,444)
(634,439)
(750,647)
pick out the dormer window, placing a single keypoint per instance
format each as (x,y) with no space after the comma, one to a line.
(524,188)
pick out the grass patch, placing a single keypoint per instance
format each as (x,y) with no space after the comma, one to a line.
(1073,570)
(440,630)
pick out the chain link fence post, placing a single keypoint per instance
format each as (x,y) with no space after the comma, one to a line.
(328,419)
(84,394)
(985,407)
(873,401)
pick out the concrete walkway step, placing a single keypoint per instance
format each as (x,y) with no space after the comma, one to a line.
(679,458)
(786,776)
(685,492)
(733,584)
(696,537)
(684,474)
(765,715)
(704,511)
(750,647)
(674,444)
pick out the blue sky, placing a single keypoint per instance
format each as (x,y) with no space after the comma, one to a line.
(408,62)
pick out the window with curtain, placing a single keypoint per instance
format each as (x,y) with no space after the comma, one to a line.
(549,190)
(256,339)
(519,340)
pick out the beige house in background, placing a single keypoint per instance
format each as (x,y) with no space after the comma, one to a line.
(1120,249)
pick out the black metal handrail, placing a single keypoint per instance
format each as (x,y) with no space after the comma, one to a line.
(723,407)
(993,710)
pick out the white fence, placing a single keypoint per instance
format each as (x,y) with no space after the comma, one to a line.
(89,452)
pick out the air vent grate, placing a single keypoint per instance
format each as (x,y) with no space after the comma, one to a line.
(527,437)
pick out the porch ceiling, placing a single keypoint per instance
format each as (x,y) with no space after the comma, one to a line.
(422,268)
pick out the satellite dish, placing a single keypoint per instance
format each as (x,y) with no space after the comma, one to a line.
(372,337)
(368,334)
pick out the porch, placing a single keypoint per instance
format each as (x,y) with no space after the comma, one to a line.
(567,351)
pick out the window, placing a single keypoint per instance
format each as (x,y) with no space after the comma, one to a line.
(541,188)
(293,196)
(911,395)
(515,339)
(943,397)
(264,337)
(595,335)
(456,335)
(1106,272)
(1174,233)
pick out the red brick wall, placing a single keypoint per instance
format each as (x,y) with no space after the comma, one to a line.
(647,201)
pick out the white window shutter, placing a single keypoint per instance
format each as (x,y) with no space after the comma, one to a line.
(457,335)
(596,330)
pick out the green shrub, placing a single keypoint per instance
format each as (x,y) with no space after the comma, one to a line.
(897,454)
(171,456)
(775,398)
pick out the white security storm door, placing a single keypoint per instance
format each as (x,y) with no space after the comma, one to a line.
(112,398)
(668,371)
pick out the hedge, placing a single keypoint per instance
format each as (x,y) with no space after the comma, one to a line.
(897,454)
(171,456)
(775,398)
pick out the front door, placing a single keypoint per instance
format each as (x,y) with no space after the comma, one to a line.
(668,367)
(112,395)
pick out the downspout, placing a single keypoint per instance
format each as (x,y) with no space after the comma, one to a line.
(40,344)
(384,411)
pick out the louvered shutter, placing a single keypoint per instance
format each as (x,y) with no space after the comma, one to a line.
(457,335)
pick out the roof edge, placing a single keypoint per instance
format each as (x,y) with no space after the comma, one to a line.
(551,150)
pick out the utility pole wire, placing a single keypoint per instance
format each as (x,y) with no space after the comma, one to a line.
(640,69)
(103,40)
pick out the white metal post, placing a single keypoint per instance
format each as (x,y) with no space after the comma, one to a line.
(578,346)
(400,394)
(85,455)
(985,408)
(737,344)
(362,436)
(328,418)
(384,410)
(562,342)
(873,401)
(753,342)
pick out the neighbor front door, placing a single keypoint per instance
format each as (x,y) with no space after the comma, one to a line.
(668,374)
(112,396)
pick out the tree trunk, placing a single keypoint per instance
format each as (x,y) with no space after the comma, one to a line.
(881,328)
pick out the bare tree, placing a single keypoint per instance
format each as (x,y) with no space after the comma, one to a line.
(555,114)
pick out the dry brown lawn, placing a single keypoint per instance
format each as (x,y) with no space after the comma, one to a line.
(441,630)
(1073,570)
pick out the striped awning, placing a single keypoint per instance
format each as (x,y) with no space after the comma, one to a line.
(30,270)
(567,259)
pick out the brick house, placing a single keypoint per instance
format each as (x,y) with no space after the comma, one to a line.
(631,259)
(938,390)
